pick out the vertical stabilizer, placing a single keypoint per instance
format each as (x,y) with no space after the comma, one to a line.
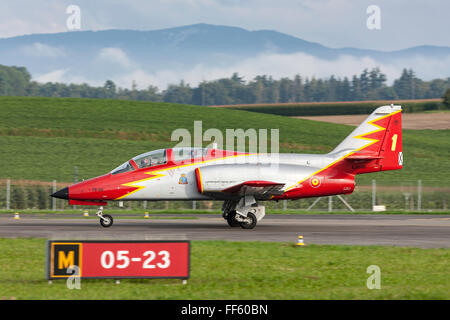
(378,137)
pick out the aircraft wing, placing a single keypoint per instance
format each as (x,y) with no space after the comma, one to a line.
(256,188)
(228,181)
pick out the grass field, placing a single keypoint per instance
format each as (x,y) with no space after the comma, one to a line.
(44,138)
(337,107)
(270,271)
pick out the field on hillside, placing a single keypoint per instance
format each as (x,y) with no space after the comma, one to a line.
(310,272)
(292,109)
(44,138)
(414,121)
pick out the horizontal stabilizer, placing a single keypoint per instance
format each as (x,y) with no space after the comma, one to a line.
(362,157)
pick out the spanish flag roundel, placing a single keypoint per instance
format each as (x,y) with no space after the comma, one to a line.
(315,182)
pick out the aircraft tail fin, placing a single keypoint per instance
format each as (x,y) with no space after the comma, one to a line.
(378,138)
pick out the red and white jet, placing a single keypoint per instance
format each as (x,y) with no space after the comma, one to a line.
(243,180)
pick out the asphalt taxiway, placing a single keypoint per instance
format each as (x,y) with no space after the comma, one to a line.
(425,231)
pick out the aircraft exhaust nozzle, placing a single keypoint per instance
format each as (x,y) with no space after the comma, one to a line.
(61,194)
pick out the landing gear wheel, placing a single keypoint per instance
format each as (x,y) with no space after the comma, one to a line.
(106,220)
(250,221)
(231,219)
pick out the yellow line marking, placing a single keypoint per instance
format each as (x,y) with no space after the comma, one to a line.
(379,128)
(159,175)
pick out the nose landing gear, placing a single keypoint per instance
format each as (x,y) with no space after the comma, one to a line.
(105,219)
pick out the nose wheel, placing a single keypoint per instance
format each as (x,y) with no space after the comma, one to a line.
(105,219)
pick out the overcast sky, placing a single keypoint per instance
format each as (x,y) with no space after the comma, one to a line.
(333,23)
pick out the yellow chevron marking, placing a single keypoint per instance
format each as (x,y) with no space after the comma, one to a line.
(134,183)
(361,136)
(379,128)
(157,173)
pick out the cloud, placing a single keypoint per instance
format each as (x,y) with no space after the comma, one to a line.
(27,17)
(114,56)
(336,23)
(41,50)
(275,65)
(289,65)
(426,68)
(66,76)
(53,76)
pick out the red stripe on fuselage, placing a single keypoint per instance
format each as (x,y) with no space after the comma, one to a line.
(112,187)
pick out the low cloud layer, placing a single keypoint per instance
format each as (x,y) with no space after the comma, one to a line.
(40,50)
(115,56)
(123,71)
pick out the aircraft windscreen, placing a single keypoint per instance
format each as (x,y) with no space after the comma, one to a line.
(181,154)
(125,167)
(152,158)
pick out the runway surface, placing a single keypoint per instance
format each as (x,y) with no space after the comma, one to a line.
(425,231)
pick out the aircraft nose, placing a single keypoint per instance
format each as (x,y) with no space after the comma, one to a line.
(61,194)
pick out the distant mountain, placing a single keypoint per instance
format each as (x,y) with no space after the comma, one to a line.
(95,56)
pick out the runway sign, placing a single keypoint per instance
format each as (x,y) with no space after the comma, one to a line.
(118,259)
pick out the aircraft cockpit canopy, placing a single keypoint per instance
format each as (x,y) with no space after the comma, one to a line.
(181,154)
(152,158)
(124,167)
(159,157)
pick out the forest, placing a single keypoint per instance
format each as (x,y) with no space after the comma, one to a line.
(369,85)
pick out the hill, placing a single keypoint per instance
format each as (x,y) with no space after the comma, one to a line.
(44,138)
(126,55)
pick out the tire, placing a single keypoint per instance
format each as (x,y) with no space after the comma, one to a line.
(231,220)
(107,221)
(251,221)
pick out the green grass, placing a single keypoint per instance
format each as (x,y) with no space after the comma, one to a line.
(44,138)
(339,108)
(247,270)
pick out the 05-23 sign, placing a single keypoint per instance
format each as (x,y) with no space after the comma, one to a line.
(119,259)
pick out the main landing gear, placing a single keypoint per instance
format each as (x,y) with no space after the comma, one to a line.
(105,219)
(234,219)
(244,213)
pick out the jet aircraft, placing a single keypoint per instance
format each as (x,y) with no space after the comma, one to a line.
(244,180)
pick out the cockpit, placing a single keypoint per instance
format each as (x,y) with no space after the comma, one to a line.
(150,159)
(162,157)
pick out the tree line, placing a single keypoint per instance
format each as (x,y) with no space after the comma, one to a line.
(369,85)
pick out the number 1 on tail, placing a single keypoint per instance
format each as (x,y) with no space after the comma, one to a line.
(394,142)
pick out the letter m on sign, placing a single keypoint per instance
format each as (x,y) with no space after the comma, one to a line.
(62,255)
(66,261)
